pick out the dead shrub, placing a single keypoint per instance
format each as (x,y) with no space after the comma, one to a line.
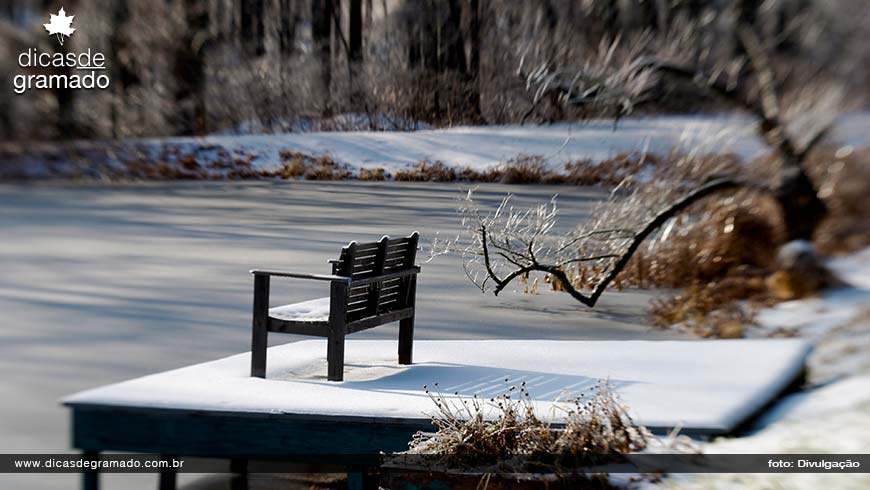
(731,274)
(842,176)
(719,251)
(723,249)
(295,165)
(638,168)
(708,242)
(608,172)
(375,174)
(427,171)
(713,309)
(526,169)
(469,174)
(597,429)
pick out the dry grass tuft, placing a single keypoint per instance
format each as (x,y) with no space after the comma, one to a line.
(374,174)
(177,162)
(722,251)
(295,165)
(608,172)
(525,169)
(427,171)
(597,429)
(713,309)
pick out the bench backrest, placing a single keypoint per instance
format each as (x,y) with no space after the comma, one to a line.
(364,260)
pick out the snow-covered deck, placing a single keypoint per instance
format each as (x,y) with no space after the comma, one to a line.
(706,387)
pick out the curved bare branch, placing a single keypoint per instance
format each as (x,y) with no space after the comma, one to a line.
(712,187)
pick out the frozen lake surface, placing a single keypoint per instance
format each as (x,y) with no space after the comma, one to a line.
(107,283)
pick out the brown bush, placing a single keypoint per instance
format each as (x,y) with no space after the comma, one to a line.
(712,309)
(526,169)
(374,174)
(427,171)
(607,172)
(597,429)
(295,165)
(842,176)
(707,242)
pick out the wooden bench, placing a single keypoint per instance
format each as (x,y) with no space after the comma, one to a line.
(371,284)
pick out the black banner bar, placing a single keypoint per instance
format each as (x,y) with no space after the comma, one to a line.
(403,463)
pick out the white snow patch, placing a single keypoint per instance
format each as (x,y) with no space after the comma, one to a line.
(486,146)
(837,321)
(315,310)
(703,385)
(833,418)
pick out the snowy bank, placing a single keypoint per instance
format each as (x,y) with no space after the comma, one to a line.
(486,146)
(478,147)
(831,418)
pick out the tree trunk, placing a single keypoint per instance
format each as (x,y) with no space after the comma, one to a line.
(453,43)
(289,18)
(253,34)
(355,32)
(474,58)
(321,33)
(189,69)
(802,210)
(65,97)
(123,75)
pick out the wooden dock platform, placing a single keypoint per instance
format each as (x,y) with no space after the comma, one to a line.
(217,410)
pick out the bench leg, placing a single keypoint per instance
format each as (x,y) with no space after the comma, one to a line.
(338,293)
(335,355)
(91,477)
(406,340)
(259,342)
(260,334)
(239,469)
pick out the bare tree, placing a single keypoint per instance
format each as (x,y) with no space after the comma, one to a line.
(622,79)
(510,243)
(189,67)
(252,31)
(322,12)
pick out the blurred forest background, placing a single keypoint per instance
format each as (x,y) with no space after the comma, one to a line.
(188,67)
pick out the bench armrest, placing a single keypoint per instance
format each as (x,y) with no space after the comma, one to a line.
(298,275)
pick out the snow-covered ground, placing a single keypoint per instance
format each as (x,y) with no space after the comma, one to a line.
(666,384)
(831,417)
(485,146)
(478,146)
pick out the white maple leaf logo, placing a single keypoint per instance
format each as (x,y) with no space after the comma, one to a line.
(60,25)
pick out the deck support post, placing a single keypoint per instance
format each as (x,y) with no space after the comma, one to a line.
(354,479)
(168,475)
(260,335)
(91,476)
(239,469)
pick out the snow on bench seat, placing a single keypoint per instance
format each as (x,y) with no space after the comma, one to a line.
(315,310)
(704,386)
